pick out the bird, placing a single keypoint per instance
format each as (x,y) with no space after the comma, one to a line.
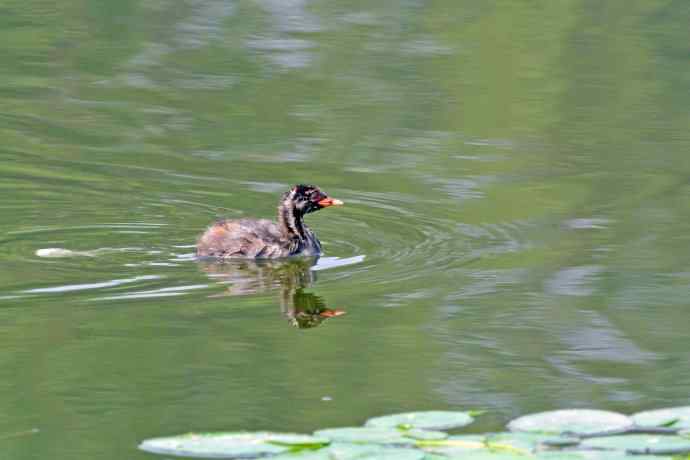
(264,239)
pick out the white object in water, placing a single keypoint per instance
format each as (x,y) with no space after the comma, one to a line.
(62,252)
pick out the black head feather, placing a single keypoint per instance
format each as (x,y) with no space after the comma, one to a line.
(305,198)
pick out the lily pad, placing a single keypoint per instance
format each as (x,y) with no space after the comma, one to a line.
(345,451)
(597,455)
(560,441)
(435,457)
(303,441)
(571,421)
(321,454)
(430,420)
(523,443)
(359,435)
(392,453)
(641,444)
(215,445)
(487,455)
(560,455)
(673,417)
(593,455)
(455,445)
(339,451)
(425,435)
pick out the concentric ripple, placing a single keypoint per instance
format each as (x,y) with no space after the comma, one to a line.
(406,238)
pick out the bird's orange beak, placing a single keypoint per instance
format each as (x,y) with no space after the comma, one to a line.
(326,202)
(328,313)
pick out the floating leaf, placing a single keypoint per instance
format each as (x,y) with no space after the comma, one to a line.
(559,455)
(455,445)
(303,441)
(592,455)
(486,455)
(425,435)
(391,453)
(215,445)
(641,444)
(365,435)
(435,457)
(345,451)
(596,455)
(673,417)
(560,441)
(340,451)
(522,443)
(575,421)
(466,441)
(430,420)
(321,454)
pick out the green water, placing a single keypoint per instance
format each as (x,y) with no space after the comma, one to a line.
(516,234)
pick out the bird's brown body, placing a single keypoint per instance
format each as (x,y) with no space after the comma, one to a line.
(253,239)
(264,239)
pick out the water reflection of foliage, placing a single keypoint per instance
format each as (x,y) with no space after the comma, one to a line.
(290,277)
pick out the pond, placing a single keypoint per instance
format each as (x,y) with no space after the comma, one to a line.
(515,236)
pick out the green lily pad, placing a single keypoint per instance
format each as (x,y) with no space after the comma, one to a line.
(560,441)
(214,445)
(575,421)
(455,445)
(430,420)
(560,455)
(392,453)
(346,451)
(673,417)
(359,435)
(303,441)
(516,442)
(425,435)
(596,455)
(321,454)
(487,455)
(339,451)
(593,455)
(641,444)
(435,457)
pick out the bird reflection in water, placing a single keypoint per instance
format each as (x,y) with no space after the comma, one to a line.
(289,277)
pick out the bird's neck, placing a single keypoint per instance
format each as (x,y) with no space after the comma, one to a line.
(298,238)
(291,222)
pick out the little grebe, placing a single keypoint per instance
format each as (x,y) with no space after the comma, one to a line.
(263,239)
